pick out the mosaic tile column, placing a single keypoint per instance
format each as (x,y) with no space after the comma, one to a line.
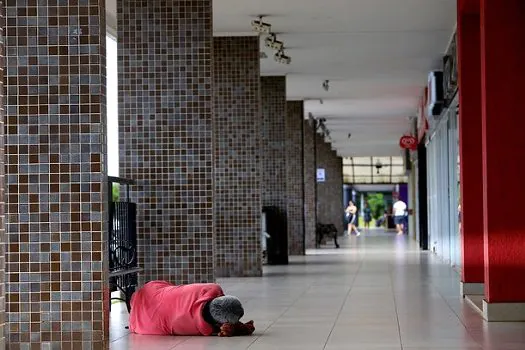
(165,132)
(309,183)
(330,208)
(3,240)
(55,160)
(338,204)
(237,163)
(273,149)
(295,176)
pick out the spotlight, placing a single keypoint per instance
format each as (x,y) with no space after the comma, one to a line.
(321,101)
(272,42)
(260,27)
(326,85)
(280,57)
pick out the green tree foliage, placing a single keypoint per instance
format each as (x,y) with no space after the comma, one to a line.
(116,192)
(376,201)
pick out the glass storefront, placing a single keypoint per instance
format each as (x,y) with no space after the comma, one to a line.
(443,187)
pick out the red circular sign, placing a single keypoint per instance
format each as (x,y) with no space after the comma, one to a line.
(408,142)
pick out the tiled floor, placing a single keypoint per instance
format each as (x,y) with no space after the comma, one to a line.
(378,292)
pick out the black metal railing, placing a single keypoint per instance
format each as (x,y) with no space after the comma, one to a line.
(123,262)
(122,236)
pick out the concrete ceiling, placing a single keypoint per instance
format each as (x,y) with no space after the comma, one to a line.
(375,53)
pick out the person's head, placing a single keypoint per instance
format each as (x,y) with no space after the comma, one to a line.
(226,309)
(350,203)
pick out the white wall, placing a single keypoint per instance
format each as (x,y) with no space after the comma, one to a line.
(112,106)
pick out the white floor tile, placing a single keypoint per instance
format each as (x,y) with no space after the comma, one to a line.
(378,292)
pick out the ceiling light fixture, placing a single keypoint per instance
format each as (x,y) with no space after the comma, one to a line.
(260,27)
(326,85)
(272,42)
(281,57)
(378,166)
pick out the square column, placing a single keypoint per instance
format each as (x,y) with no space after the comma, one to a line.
(470,148)
(237,163)
(3,325)
(295,177)
(273,155)
(273,149)
(165,133)
(330,208)
(57,287)
(502,57)
(309,183)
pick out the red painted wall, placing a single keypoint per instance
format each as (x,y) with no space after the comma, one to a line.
(468,7)
(470,144)
(503,128)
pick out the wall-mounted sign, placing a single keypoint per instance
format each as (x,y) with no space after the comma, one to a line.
(450,72)
(408,142)
(435,94)
(321,175)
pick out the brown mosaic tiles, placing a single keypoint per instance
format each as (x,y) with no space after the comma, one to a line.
(309,183)
(295,177)
(55,168)
(273,149)
(330,208)
(2,184)
(237,139)
(165,132)
(337,163)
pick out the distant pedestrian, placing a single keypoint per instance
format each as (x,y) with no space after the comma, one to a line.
(400,209)
(367,215)
(351,217)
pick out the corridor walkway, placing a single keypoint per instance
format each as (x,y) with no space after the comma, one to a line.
(378,292)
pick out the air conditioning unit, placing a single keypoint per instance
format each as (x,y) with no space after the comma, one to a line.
(435,97)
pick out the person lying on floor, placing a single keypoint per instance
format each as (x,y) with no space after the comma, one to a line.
(162,308)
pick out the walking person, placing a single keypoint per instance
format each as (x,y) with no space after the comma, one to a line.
(351,216)
(367,215)
(400,208)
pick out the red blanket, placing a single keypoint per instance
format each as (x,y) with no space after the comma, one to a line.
(162,308)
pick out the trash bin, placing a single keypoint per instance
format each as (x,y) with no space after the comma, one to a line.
(277,235)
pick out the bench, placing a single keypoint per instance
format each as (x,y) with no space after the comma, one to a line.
(328,230)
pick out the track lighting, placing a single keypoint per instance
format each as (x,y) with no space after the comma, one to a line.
(326,85)
(281,57)
(272,42)
(322,129)
(260,27)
